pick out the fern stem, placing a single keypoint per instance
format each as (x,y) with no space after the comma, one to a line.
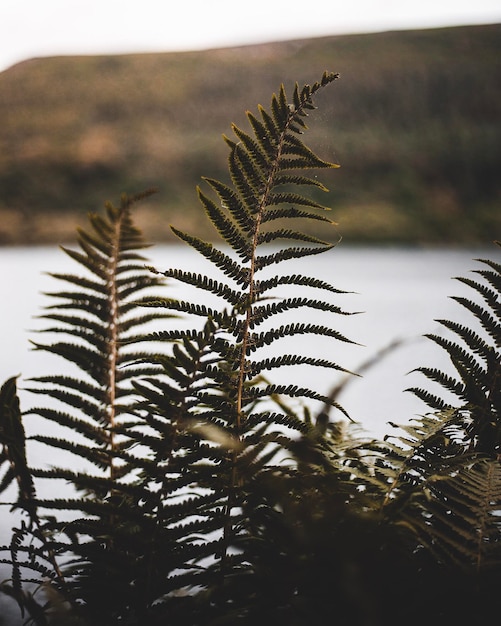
(258,218)
(252,269)
(113,339)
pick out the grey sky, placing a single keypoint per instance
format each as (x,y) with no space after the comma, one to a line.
(31,28)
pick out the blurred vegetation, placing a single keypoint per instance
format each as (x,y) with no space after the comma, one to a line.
(414,122)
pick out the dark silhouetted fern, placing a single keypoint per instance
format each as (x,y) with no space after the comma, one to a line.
(97,320)
(220,411)
(176,441)
(441,477)
(476,357)
(203,492)
(13,442)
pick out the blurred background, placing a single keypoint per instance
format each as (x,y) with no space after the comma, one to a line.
(100,98)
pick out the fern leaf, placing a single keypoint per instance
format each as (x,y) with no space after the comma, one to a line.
(205,283)
(231,200)
(176,438)
(263,137)
(270,418)
(78,401)
(263,286)
(292,198)
(290,235)
(287,178)
(487,321)
(289,253)
(263,339)
(293,212)
(256,367)
(86,359)
(13,442)
(254,148)
(464,528)
(471,338)
(445,381)
(261,313)
(300,156)
(220,259)
(226,228)
(292,391)
(490,296)
(245,172)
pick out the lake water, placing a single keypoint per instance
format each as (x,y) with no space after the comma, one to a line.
(400,292)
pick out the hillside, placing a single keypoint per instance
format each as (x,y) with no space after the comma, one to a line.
(415,121)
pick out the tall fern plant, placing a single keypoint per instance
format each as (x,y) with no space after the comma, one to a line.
(149,528)
(97,321)
(442,476)
(221,412)
(201,494)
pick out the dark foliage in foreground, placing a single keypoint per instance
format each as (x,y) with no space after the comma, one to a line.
(201,494)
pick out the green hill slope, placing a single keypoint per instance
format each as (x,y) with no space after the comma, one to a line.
(415,121)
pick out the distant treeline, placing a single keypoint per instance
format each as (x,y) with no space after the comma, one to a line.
(414,121)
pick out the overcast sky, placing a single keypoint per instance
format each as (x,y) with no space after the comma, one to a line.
(32,28)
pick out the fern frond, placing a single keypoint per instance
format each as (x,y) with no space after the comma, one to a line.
(471,338)
(205,283)
(302,157)
(462,359)
(293,391)
(13,443)
(292,212)
(183,306)
(247,175)
(183,440)
(229,198)
(97,457)
(226,228)
(86,405)
(264,138)
(432,400)
(86,388)
(271,418)
(449,383)
(489,322)
(246,189)
(291,235)
(289,253)
(262,286)
(93,304)
(489,295)
(463,508)
(220,259)
(287,178)
(277,198)
(260,313)
(85,358)
(477,361)
(84,427)
(257,149)
(258,340)
(256,367)
(272,129)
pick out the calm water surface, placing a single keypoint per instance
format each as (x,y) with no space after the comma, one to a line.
(399,292)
